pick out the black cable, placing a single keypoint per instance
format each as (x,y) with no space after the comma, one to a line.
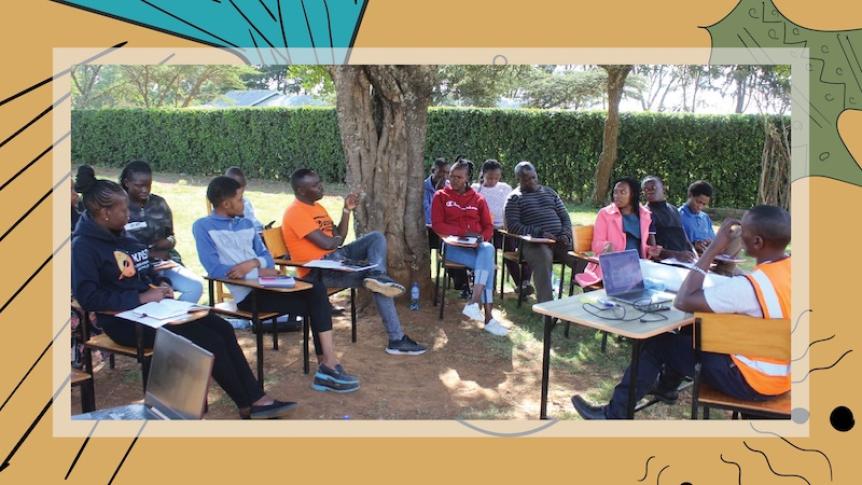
(598,310)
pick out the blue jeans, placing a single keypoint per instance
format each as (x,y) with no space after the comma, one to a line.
(186,282)
(370,247)
(676,352)
(481,261)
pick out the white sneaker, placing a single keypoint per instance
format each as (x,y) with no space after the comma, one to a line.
(495,328)
(472,311)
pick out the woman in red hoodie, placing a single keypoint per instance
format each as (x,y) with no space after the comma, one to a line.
(458,210)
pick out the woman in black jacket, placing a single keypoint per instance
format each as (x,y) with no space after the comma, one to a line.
(111,271)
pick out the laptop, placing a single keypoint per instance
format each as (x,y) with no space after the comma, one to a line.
(624,281)
(177,385)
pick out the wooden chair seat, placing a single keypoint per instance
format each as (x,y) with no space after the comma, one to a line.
(79,376)
(103,342)
(511,256)
(333,291)
(778,406)
(451,265)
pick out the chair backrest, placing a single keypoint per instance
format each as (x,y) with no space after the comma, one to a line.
(740,334)
(583,236)
(274,243)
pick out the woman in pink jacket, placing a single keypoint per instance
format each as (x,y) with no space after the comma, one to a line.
(623,224)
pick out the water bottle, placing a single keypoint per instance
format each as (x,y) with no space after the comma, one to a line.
(414,296)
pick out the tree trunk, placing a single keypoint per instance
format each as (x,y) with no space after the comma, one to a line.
(382,113)
(616,82)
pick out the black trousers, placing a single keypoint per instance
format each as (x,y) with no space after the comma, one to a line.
(313,303)
(230,369)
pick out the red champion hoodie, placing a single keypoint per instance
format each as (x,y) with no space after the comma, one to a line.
(454,214)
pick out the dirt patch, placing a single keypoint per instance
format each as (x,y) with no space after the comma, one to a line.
(466,373)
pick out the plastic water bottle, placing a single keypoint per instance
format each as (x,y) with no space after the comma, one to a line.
(414,296)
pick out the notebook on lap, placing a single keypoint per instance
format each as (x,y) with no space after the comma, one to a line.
(177,385)
(624,281)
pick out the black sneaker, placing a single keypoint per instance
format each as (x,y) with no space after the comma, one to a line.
(338,374)
(405,346)
(275,410)
(586,410)
(466,294)
(326,385)
(667,388)
(383,285)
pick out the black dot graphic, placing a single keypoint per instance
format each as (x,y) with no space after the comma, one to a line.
(842,419)
(685,483)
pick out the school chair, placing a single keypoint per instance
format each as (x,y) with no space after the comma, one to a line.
(88,393)
(739,334)
(444,267)
(582,235)
(518,256)
(102,342)
(274,243)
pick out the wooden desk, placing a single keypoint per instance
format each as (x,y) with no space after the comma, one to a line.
(255,313)
(572,310)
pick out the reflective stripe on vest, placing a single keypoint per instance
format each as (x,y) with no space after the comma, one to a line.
(768,297)
(769,376)
(764,367)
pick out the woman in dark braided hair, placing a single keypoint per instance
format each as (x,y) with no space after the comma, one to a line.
(111,271)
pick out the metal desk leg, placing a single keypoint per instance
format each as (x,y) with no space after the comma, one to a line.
(258,328)
(550,323)
(633,378)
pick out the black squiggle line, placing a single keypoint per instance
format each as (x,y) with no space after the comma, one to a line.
(799,317)
(739,479)
(811,345)
(823,368)
(809,450)
(770,465)
(646,468)
(658,477)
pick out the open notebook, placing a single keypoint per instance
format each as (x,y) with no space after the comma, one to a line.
(155,314)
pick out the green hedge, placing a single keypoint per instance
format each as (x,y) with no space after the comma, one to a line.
(272,142)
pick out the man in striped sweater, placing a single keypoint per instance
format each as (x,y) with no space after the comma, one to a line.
(537,211)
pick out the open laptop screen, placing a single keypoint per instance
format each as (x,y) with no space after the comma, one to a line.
(179,377)
(621,272)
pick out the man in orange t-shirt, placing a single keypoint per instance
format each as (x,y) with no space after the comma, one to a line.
(309,233)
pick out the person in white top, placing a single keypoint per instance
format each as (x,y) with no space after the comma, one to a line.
(495,192)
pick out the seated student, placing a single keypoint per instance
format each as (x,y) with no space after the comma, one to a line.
(237,174)
(151,222)
(495,192)
(438,179)
(229,247)
(698,226)
(765,293)
(536,210)
(111,271)
(623,224)
(458,210)
(309,234)
(666,232)
(695,222)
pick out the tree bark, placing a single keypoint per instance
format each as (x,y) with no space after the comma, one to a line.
(616,82)
(382,115)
